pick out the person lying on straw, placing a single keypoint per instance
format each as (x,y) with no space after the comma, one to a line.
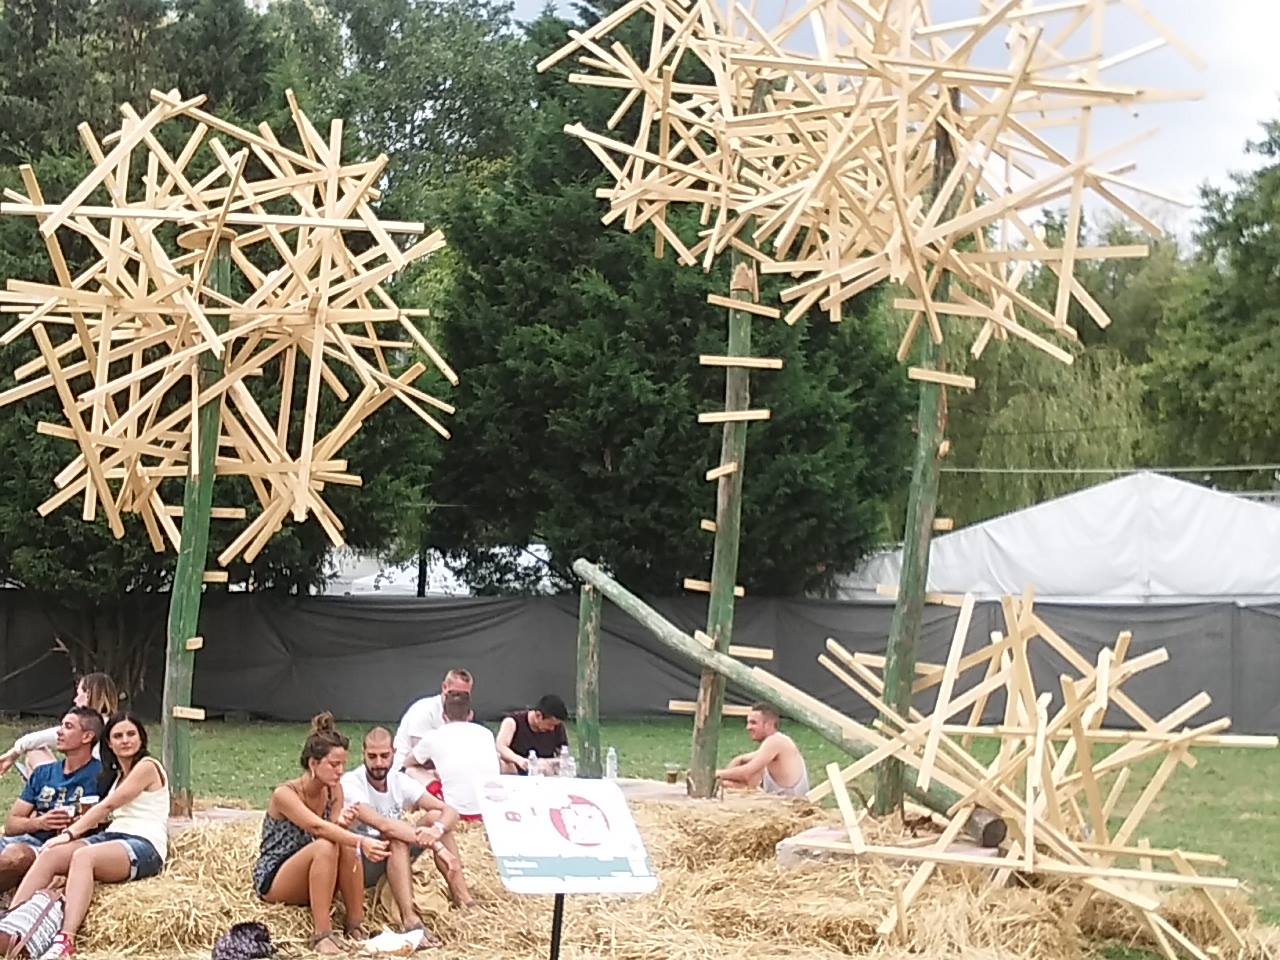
(96,690)
(776,766)
(306,853)
(378,799)
(134,845)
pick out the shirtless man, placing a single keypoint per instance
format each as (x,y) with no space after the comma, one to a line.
(776,766)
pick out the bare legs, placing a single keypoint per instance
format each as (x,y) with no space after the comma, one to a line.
(83,866)
(309,879)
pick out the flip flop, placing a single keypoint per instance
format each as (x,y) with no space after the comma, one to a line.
(429,940)
(315,940)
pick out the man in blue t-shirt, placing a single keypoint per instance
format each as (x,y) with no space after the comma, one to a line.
(50,800)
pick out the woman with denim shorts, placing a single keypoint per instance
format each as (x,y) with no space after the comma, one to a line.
(132,847)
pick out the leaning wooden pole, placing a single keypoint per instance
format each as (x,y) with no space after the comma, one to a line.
(988,830)
(188,575)
(922,508)
(724,563)
(587,712)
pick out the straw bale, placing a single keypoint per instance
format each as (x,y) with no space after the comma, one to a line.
(1107,920)
(721,896)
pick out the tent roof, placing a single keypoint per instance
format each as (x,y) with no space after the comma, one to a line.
(1142,538)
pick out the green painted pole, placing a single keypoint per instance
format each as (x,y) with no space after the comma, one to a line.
(188,576)
(724,563)
(587,713)
(922,508)
(983,826)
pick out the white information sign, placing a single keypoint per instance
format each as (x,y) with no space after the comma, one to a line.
(558,835)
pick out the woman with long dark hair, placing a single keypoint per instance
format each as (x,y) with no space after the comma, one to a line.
(134,845)
(307,853)
(95,690)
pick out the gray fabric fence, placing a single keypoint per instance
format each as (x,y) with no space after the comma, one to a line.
(366,659)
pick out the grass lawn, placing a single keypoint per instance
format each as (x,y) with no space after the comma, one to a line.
(1229,804)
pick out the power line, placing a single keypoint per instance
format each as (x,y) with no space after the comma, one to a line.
(1116,471)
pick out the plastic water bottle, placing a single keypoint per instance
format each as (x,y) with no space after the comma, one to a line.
(568,766)
(611,764)
(534,771)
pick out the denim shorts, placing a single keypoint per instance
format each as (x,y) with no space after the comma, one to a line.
(144,861)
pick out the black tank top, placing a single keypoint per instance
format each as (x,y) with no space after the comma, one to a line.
(542,744)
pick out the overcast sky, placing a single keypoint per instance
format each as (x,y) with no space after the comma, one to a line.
(1198,141)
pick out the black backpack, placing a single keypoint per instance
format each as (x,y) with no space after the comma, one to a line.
(245,941)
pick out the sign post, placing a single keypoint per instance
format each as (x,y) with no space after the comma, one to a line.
(557,836)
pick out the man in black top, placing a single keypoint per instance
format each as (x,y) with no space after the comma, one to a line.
(540,729)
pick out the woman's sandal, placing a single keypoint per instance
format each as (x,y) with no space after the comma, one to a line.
(327,937)
(429,940)
(357,933)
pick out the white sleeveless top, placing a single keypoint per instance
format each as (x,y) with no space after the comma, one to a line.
(146,815)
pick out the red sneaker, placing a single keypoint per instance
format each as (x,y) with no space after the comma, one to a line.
(64,945)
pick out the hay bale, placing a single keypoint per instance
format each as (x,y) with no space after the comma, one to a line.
(722,896)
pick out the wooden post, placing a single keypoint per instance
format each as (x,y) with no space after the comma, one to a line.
(988,830)
(922,506)
(588,708)
(724,564)
(188,576)
(743,288)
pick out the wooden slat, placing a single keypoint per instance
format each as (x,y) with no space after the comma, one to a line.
(715,473)
(691,707)
(942,377)
(750,363)
(746,306)
(704,586)
(733,416)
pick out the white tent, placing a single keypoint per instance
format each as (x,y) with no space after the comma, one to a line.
(1144,538)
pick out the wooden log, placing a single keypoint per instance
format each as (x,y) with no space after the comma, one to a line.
(728,537)
(587,714)
(922,503)
(188,576)
(936,798)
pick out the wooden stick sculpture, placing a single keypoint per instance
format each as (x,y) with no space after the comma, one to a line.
(121,341)
(1073,791)
(828,180)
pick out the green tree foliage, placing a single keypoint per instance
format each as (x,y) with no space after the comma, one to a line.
(1071,423)
(1213,384)
(73,61)
(581,384)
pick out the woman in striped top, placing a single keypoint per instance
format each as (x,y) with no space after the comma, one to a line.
(132,847)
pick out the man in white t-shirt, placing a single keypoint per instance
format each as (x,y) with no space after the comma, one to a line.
(378,800)
(464,753)
(421,718)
